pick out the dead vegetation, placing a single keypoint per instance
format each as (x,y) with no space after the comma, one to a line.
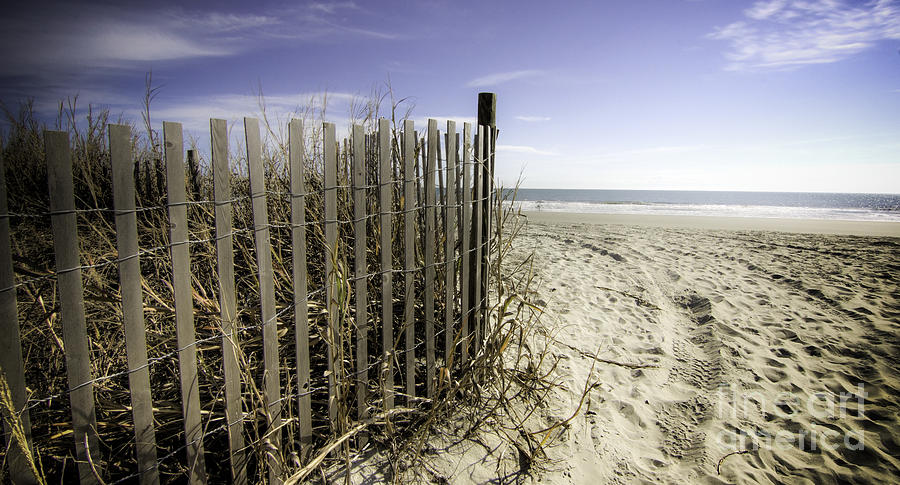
(499,389)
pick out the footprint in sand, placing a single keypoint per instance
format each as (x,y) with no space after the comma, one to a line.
(681,422)
(699,365)
(699,355)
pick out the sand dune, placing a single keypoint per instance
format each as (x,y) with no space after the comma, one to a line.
(784,347)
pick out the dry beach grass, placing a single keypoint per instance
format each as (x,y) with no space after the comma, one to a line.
(398,435)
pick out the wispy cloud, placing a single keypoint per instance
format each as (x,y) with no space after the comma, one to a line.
(533,119)
(422,121)
(524,149)
(788,33)
(195,113)
(502,77)
(64,37)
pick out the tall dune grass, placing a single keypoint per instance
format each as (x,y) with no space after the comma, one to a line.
(506,376)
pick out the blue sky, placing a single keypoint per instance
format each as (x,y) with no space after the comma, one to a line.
(782,95)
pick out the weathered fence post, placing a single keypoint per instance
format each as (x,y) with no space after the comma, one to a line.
(272,372)
(478,238)
(184,304)
(450,247)
(430,161)
(301,316)
(385,198)
(71,300)
(194,172)
(121,161)
(466,223)
(358,172)
(331,256)
(11,363)
(409,229)
(487,117)
(234,414)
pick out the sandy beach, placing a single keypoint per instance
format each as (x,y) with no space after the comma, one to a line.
(780,346)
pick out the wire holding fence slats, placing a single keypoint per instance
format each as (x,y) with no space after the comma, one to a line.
(302,226)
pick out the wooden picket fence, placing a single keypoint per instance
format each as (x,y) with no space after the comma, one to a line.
(454,211)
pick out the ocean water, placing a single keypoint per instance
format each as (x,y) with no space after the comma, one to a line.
(796,205)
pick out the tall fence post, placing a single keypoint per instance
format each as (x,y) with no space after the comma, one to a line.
(385,203)
(184,304)
(409,249)
(450,247)
(272,372)
(71,301)
(478,238)
(487,117)
(301,311)
(331,255)
(234,414)
(11,363)
(430,161)
(122,163)
(466,223)
(358,172)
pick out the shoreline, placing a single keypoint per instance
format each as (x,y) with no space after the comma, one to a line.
(800,226)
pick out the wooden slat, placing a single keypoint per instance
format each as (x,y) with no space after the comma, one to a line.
(184,304)
(272,372)
(409,262)
(227,305)
(488,189)
(11,363)
(440,220)
(485,228)
(450,246)
(331,162)
(297,156)
(122,163)
(466,223)
(419,164)
(440,248)
(360,283)
(478,219)
(385,193)
(430,162)
(71,299)
(459,210)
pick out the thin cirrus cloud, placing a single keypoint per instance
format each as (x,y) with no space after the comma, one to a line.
(524,149)
(790,33)
(70,39)
(63,37)
(502,77)
(533,119)
(277,108)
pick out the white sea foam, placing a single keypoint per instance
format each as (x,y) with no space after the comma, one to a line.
(849,214)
